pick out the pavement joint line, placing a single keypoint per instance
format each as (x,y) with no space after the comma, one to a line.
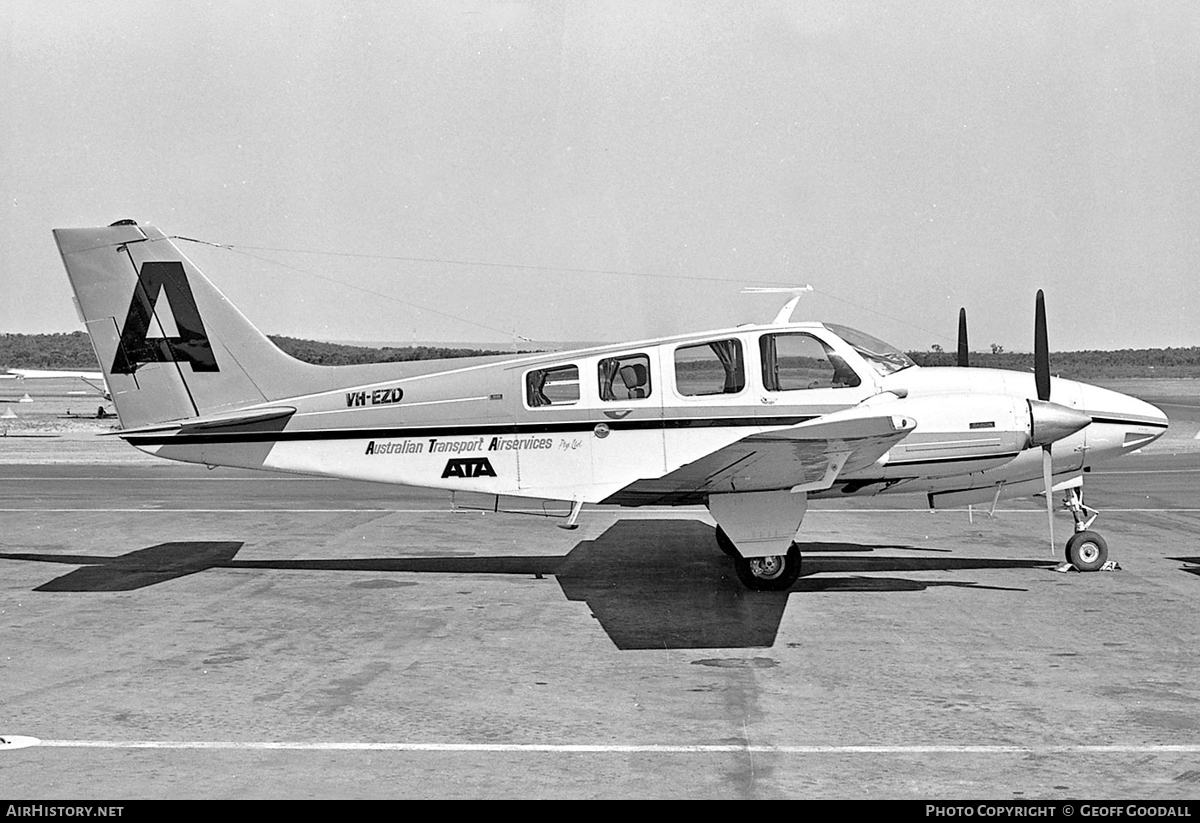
(572,748)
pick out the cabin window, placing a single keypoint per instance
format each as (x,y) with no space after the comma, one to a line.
(716,367)
(625,378)
(555,386)
(800,361)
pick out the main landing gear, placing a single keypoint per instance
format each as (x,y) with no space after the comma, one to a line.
(764,525)
(775,573)
(1086,550)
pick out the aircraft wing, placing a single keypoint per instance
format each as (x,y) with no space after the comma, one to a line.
(802,458)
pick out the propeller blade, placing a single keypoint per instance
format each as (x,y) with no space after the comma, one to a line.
(1048,479)
(963,357)
(1041,349)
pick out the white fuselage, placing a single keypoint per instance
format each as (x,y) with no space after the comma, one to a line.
(572,426)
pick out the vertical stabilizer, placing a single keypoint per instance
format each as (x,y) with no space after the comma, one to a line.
(171,346)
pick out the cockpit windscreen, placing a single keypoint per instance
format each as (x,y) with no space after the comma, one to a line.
(883,357)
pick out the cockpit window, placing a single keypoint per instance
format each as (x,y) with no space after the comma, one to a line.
(800,361)
(883,357)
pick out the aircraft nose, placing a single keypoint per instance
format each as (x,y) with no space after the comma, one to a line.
(1124,423)
(1140,411)
(1151,411)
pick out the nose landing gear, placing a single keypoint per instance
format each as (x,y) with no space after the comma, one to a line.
(1086,550)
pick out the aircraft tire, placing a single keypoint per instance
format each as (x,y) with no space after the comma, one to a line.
(769,574)
(1087,551)
(726,545)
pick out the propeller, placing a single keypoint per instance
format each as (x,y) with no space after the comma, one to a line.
(1049,422)
(1041,349)
(963,358)
(1041,376)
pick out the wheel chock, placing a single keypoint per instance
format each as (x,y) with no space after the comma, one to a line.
(1109,566)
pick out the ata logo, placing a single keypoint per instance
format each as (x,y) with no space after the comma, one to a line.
(138,346)
(468,467)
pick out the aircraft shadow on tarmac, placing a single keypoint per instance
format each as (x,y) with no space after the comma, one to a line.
(1193,566)
(652,584)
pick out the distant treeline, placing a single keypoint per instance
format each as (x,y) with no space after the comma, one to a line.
(73,351)
(1084,365)
(336,354)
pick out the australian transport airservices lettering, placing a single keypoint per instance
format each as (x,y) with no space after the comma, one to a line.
(501,444)
(435,445)
(402,447)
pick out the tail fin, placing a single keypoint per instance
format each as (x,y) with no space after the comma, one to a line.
(171,346)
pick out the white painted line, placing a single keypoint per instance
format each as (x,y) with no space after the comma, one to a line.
(1148,471)
(225,511)
(572,748)
(9,741)
(642,514)
(623,515)
(283,478)
(89,479)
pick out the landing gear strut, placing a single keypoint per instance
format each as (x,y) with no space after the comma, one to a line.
(1086,550)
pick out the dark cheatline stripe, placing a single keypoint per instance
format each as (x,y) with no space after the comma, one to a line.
(1127,420)
(457,431)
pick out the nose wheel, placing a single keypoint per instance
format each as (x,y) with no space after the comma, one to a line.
(1086,550)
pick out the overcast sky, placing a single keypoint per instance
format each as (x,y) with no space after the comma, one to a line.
(903,158)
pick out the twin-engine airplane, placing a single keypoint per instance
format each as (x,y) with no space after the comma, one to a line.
(751,421)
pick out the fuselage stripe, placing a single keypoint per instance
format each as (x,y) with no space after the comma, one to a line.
(466,430)
(1128,420)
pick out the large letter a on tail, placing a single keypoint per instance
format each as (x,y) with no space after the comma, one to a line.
(138,347)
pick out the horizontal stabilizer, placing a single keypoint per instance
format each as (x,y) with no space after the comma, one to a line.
(222,423)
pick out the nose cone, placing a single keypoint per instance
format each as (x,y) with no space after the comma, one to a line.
(1121,423)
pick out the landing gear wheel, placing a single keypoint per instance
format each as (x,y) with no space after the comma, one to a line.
(769,574)
(726,544)
(1087,551)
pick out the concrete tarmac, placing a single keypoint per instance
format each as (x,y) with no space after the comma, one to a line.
(171,632)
